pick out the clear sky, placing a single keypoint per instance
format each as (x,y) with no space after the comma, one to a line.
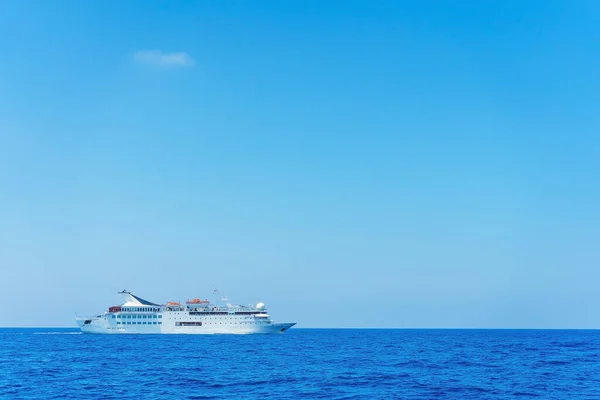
(352,164)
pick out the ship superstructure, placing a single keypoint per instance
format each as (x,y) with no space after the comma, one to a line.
(195,316)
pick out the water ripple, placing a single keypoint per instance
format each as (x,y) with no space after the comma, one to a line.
(302,364)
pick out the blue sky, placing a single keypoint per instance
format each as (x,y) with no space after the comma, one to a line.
(376,164)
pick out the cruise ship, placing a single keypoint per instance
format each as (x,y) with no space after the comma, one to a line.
(195,316)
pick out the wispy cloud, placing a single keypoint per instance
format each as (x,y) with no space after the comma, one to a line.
(159,58)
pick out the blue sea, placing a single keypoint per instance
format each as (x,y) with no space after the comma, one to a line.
(302,363)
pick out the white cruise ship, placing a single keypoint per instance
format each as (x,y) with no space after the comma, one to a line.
(195,316)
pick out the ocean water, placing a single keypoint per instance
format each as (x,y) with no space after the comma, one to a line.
(302,363)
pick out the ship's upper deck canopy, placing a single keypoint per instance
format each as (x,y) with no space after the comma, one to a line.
(132,300)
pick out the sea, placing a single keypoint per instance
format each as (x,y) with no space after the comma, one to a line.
(302,364)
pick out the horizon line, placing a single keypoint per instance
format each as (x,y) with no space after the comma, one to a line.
(360,328)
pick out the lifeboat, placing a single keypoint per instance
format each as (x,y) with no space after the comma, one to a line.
(173,304)
(197,303)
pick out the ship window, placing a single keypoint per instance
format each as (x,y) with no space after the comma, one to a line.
(160,316)
(160,323)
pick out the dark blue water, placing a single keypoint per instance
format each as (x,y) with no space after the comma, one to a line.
(303,363)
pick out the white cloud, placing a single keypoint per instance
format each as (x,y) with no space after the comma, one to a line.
(159,58)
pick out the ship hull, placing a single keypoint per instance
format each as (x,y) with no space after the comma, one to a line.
(98,326)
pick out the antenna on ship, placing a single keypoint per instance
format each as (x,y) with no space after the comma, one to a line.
(223,298)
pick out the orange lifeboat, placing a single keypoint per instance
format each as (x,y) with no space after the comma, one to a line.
(196,301)
(173,303)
